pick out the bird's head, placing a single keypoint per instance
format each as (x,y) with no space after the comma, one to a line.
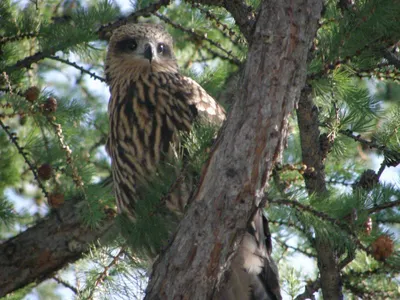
(140,48)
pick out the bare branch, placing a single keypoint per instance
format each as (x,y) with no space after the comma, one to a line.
(76,66)
(51,244)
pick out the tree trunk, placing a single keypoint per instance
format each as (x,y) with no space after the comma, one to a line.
(307,116)
(252,139)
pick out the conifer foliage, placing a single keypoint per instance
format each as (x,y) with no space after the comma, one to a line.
(333,199)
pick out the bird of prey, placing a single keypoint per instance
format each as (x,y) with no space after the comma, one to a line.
(150,104)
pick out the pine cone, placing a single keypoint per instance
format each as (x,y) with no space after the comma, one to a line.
(45,171)
(382,247)
(32,93)
(50,105)
(368,180)
(56,200)
(325,144)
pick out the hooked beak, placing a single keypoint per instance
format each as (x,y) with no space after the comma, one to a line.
(148,53)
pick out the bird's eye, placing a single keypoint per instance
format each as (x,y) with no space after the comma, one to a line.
(132,45)
(127,45)
(161,48)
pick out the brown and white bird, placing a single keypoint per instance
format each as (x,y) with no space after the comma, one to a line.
(151,102)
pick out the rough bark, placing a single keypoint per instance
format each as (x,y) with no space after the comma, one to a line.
(45,248)
(307,116)
(250,142)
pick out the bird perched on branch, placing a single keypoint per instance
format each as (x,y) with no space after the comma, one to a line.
(150,104)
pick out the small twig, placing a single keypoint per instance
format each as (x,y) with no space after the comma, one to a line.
(244,15)
(104,273)
(383,206)
(365,274)
(361,140)
(226,31)
(309,290)
(105,31)
(221,56)
(381,168)
(82,69)
(6,39)
(28,61)
(197,36)
(68,153)
(306,208)
(344,226)
(283,244)
(391,158)
(342,182)
(14,139)
(348,259)
(392,58)
(66,284)
(288,224)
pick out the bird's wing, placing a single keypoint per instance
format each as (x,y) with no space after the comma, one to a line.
(253,274)
(207,108)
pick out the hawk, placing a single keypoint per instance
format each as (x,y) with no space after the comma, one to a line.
(150,104)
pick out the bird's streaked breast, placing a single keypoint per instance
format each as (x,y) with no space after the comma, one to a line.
(145,119)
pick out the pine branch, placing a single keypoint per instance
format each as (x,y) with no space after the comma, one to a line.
(66,284)
(383,206)
(309,290)
(365,274)
(391,158)
(76,66)
(342,182)
(7,39)
(55,244)
(243,14)
(226,31)
(234,61)
(105,31)
(68,153)
(358,138)
(14,139)
(198,37)
(296,249)
(104,273)
(288,224)
(306,208)
(28,61)
(392,59)
(363,291)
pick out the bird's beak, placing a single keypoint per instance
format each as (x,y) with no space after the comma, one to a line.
(148,52)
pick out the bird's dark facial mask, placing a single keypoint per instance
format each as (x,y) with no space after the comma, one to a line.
(127,45)
(141,48)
